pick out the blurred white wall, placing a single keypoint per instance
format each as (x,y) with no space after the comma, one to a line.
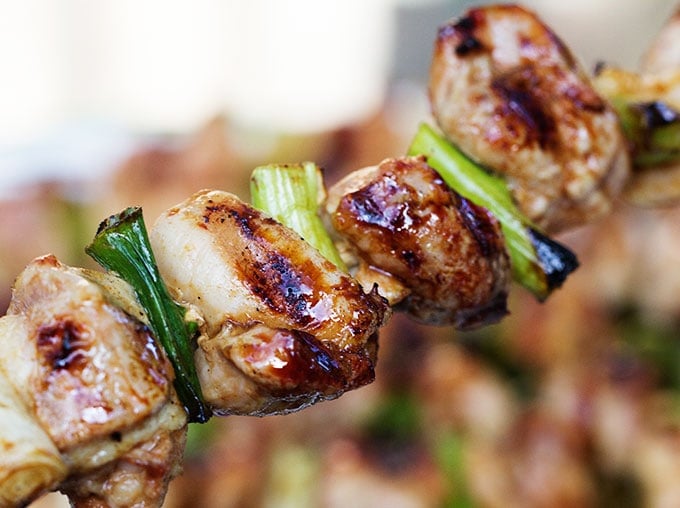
(616,31)
(293,65)
(300,65)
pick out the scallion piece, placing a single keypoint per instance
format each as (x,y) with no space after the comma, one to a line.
(291,194)
(653,130)
(539,263)
(121,245)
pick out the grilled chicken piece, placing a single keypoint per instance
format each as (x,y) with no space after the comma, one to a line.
(139,477)
(507,91)
(664,53)
(404,222)
(29,461)
(659,82)
(90,374)
(658,94)
(283,327)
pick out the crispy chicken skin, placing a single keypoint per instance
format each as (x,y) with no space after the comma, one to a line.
(507,91)
(91,375)
(404,222)
(283,327)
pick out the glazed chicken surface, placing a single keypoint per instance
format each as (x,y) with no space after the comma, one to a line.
(508,92)
(446,255)
(283,327)
(94,383)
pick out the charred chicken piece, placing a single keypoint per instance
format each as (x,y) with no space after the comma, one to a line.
(91,377)
(439,257)
(508,92)
(282,327)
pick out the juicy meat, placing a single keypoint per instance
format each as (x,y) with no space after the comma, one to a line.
(29,462)
(404,222)
(139,477)
(283,327)
(92,375)
(507,91)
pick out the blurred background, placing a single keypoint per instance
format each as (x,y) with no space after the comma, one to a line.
(574,402)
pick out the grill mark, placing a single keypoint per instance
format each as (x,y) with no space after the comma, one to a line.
(584,98)
(281,287)
(377,206)
(287,284)
(62,346)
(522,104)
(479,222)
(463,33)
(270,275)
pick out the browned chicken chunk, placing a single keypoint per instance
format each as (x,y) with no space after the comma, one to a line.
(405,223)
(508,92)
(283,327)
(139,477)
(92,377)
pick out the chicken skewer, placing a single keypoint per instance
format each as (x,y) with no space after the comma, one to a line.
(278,335)
(273,344)
(94,386)
(283,326)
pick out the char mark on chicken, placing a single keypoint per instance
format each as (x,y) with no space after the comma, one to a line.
(93,380)
(409,229)
(507,91)
(283,327)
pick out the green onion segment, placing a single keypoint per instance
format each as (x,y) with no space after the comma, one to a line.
(538,263)
(291,194)
(122,246)
(652,128)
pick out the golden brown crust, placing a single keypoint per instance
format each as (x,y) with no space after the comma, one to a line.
(97,369)
(92,378)
(284,327)
(450,254)
(508,92)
